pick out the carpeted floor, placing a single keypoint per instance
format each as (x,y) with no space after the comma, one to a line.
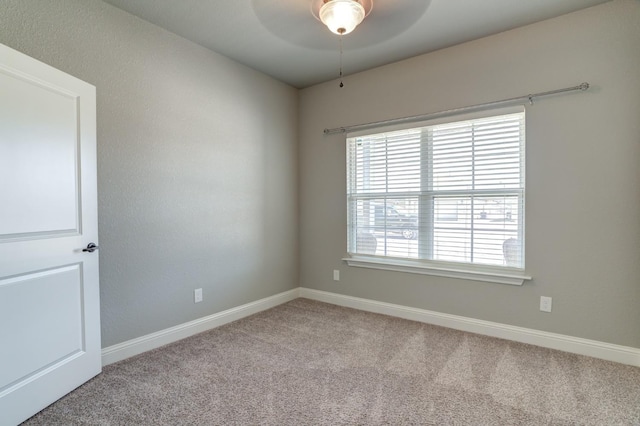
(310,363)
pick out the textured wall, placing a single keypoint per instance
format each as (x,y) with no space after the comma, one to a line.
(583,203)
(197,164)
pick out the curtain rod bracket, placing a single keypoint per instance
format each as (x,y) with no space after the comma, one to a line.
(338,130)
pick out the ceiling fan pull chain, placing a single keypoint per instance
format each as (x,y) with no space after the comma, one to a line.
(341,84)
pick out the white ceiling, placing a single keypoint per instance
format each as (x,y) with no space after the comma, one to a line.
(283,39)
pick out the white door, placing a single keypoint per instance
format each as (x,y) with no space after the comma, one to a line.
(49,293)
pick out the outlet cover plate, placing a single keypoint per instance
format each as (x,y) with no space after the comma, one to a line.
(545,304)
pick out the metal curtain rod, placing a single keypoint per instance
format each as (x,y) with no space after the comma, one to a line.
(519,99)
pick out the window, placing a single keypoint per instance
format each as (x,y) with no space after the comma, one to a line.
(440,194)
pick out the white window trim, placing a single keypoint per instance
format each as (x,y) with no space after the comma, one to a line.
(466,271)
(441,269)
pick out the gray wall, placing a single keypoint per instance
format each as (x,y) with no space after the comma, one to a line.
(197,164)
(583,172)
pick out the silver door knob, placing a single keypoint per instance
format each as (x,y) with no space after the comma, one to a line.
(91,247)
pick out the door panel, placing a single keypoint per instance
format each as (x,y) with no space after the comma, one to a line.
(51,303)
(41,161)
(49,290)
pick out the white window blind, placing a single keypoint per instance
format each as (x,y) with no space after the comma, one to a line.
(451,192)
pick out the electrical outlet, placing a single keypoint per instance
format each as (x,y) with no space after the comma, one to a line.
(545,304)
(336,275)
(197,295)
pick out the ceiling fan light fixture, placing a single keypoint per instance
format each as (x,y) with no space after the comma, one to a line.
(342,16)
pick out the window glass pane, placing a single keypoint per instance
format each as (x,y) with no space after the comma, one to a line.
(403,164)
(386,162)
(452,229)
(452,244)
(497,153)
(496,222)
(452,157)
(387,227)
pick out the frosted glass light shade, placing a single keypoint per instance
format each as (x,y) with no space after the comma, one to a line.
(342,16)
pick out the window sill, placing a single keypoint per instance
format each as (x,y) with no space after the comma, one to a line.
(478,273)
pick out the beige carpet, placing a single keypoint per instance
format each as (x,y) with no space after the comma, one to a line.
(310,363)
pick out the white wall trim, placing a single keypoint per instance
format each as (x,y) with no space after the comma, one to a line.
(576,345)
(489,274)
(145,343)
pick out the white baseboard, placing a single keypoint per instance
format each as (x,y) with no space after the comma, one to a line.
(592,348)
(145,343)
